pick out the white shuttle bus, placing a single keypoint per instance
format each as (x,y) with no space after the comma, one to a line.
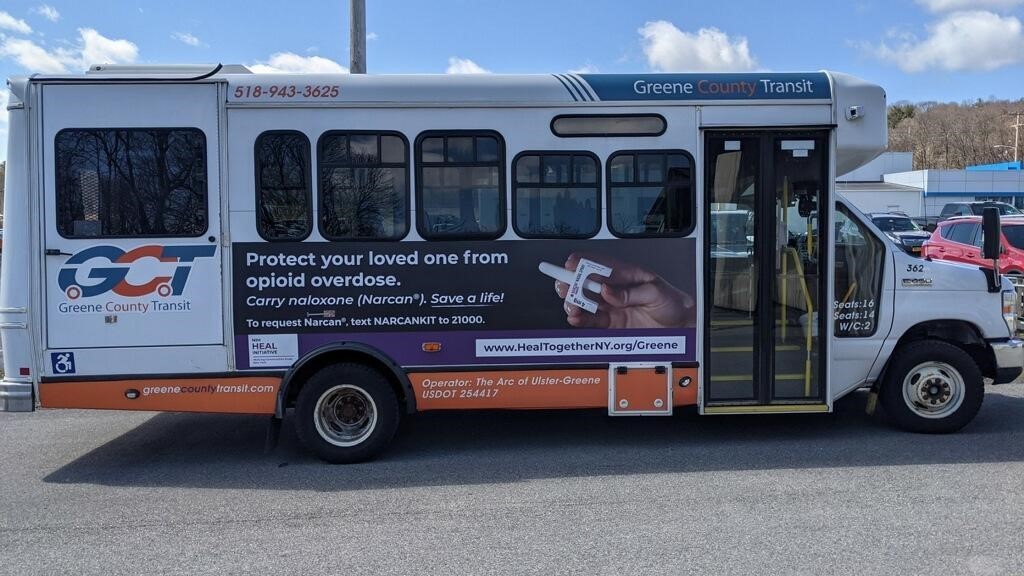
(351,250)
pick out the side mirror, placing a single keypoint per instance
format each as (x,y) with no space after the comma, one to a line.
(990,228)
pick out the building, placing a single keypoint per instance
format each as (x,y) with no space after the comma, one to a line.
(888,184)
(867,189)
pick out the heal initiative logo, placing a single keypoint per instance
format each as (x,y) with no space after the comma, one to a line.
(107,270)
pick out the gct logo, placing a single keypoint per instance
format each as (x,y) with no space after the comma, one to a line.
(114,278)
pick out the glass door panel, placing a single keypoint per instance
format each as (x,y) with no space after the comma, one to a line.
(800,181)
(734,167)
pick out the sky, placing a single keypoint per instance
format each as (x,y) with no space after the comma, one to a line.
(918,50)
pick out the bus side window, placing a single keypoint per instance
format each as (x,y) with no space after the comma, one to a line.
(283,190)
(460,188)
(858,280)
(120,183)
(650,193)
(364,185)
(556,195)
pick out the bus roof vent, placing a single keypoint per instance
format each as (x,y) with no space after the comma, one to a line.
(188,70)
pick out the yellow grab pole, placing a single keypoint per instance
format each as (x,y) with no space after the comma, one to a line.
(810,318)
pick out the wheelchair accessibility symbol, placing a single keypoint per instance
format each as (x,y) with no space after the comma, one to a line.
(63,362)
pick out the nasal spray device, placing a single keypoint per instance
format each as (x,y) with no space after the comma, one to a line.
(578,281)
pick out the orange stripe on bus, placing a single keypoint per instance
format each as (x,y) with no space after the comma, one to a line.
(528,389)
(247,395)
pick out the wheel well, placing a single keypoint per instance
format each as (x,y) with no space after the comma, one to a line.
(314,361)
(959,333)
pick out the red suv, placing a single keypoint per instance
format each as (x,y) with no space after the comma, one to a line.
(959,240)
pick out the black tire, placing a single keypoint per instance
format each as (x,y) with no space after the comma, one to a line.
(357,391)
(947,363)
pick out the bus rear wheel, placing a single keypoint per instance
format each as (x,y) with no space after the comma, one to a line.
(346,413)
(932,387)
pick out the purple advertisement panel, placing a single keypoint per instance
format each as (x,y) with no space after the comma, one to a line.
(468,303)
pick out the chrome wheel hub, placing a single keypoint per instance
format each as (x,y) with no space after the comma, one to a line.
(933,390)
(345,415)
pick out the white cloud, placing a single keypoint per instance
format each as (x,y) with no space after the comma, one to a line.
(32,56)
(92,48)
(975,40)
(8,22)
(669,49)
(458,65)
(372,36)
(187,38)
(292,62)
(947,5)
(48,12)
(98,49)
(587,68)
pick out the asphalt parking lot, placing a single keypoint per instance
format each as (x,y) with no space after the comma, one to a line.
(494,493)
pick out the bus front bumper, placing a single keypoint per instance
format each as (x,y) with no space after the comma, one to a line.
(16,396)
(1009,357)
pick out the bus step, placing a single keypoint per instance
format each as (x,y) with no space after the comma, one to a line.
(728,349)
(766,409)
(750,378)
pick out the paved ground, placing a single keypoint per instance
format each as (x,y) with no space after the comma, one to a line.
(542,493)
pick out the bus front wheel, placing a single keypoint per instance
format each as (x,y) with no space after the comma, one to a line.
(346,413)
(932,387)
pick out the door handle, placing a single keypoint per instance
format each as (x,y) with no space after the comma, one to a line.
(57,252)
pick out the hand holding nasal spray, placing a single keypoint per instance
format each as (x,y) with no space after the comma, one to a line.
(578,281)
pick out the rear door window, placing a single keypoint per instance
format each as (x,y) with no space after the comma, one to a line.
(963,233)
(1015,236)
(131,182)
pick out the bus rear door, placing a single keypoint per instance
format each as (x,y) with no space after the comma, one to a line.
(132,230)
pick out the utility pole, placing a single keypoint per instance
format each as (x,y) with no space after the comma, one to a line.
(357,37)
(1016,135)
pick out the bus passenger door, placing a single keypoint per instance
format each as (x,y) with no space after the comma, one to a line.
(765,207)
(132,230)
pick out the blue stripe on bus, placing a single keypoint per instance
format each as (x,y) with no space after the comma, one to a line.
(580,85)
(576,90)
(575,99)
(711,86)
(586,87)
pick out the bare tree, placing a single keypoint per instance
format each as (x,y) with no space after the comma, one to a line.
(283,185)
(131,182)
(362,201)
(951,135)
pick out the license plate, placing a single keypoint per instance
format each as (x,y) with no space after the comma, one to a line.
(915,249)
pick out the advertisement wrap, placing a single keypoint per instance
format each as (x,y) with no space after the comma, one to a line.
(434,306)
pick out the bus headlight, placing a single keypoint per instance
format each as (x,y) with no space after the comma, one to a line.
(1010,310)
